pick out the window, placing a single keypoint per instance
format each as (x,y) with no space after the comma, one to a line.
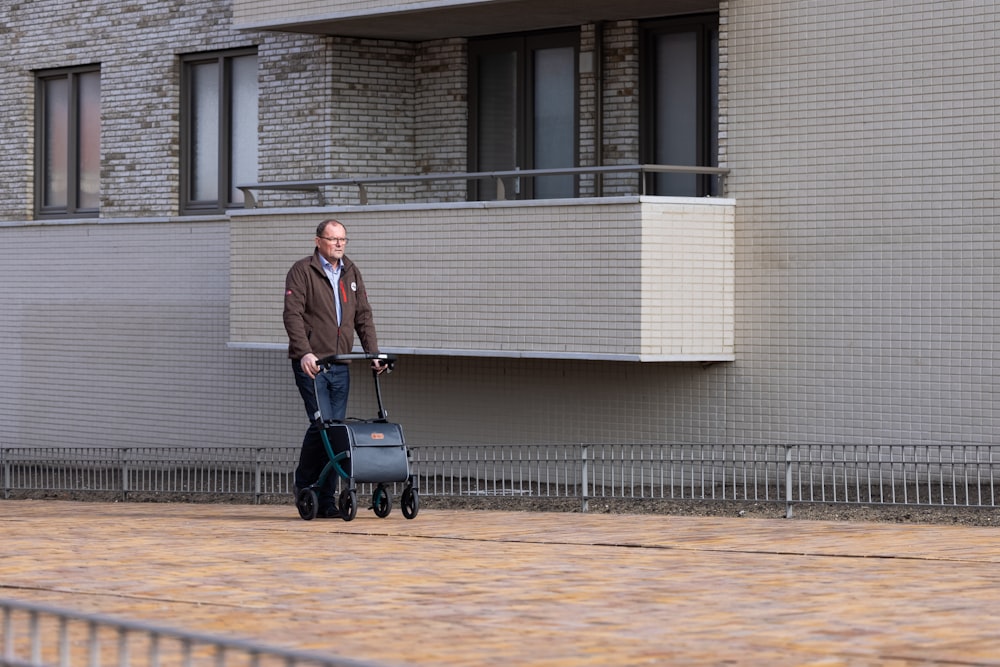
(218,129)
(681,108)
(523,111)
(68,148)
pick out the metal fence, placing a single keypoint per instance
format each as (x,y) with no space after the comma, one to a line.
(930,475)
(34,635)
(248,472)
(941,475)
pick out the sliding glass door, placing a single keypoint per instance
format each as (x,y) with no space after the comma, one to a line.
(522,111)
(681,103)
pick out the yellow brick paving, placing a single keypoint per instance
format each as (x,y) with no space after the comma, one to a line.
(457,588)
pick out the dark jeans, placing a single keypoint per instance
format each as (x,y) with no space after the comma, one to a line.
(329,395)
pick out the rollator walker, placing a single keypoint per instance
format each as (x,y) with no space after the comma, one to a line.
(363,452)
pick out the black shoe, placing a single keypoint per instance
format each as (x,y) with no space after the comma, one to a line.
(329,512)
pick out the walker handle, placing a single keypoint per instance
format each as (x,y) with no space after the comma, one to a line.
(327,361)
(388,359)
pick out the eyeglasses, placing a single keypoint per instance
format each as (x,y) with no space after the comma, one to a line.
(339,240)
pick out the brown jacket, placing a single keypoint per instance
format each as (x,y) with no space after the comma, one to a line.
(311,317)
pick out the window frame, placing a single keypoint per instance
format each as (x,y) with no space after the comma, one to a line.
(72,208)
(525,45)
(704,25)
(224,167)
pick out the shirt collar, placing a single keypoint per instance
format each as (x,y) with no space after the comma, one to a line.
(333,268)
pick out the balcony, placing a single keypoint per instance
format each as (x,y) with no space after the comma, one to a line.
(437,19)
(632,278)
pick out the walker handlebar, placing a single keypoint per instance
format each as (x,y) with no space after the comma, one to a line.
(387,359)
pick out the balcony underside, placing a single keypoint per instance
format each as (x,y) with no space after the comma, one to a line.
(630,278)
(420,21)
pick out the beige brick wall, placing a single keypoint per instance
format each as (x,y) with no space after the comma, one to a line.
(328,107)
(621,103)
(139,91)
(440,109)
(297,120)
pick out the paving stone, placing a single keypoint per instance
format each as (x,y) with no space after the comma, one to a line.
(455,587)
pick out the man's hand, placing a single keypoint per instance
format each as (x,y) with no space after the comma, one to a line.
(379,367)
(309,365)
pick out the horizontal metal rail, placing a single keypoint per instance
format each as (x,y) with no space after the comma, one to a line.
(36,635)
(363,182)
(928,475)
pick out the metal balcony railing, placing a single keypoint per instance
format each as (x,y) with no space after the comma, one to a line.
(363,182)
(914,475)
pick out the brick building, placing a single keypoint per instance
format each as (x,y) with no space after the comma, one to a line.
(827,275)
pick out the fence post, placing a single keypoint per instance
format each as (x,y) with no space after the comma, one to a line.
(125,472)
(586,476)
(788,481)
(5,455)
(256,476)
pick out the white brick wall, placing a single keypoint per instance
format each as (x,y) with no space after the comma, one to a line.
(122,347)
(863,143)
(606,279)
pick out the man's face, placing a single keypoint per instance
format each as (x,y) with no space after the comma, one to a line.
(332,243)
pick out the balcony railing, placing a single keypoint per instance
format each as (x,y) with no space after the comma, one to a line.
(362,183)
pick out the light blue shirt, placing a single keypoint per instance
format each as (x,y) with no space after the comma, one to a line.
(333,275)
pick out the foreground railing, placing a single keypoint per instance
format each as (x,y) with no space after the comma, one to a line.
(33,635)
(939,475)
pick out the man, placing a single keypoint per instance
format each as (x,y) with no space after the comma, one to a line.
(325,303)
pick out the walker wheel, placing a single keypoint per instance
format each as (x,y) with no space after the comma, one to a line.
(307,504)
(348,504)
(381,502)
(409,503)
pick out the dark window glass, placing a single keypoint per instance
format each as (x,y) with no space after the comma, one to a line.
(68,149)
(219,130)
(523,111)
(681,112)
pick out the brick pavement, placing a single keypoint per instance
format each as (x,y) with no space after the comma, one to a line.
(506,588)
